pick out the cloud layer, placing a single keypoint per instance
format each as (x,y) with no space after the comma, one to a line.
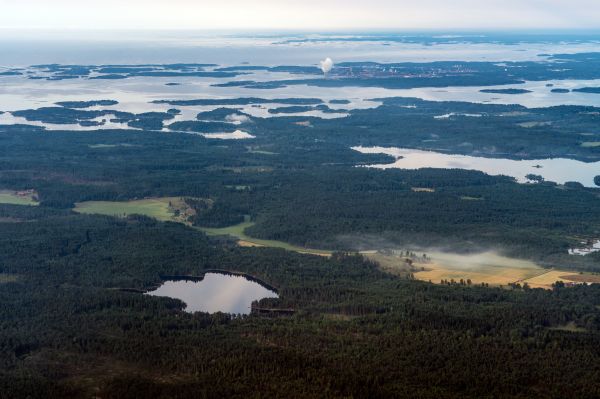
(306,14)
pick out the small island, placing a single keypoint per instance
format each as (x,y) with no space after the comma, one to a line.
(505,91)
(591,90)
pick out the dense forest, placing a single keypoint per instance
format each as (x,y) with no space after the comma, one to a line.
(305,188)
(67,329)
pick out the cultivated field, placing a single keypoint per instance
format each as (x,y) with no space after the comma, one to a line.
(238,231)
(487,267)
(164,209)
(7,278)
(590,144)
(550,277)
(27,197)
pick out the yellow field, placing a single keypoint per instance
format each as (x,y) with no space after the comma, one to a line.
(583,278)
(487,267)
(547,279)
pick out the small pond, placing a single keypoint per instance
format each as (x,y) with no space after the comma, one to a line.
(216,292)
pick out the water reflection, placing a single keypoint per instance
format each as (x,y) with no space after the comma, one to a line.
(559,170)
(215,293)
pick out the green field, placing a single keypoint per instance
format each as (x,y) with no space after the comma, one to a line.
(157,208)
(7,278)
(11,198)
(590,144)
(238,231)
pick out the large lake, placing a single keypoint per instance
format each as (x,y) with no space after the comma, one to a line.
(215,293)
(559,170)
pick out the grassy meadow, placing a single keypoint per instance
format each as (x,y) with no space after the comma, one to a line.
(165,209)
(11,197)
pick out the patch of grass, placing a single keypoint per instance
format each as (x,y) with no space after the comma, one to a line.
(262,152)
(163,209)
(110,145)
(174,209)
(423,190)
(8,278)
(248,169)
(392,264)
(238,231)
(467,198)
(569,327)
(18,198)
(238,188)
(590,144)
(4,219)
(534,124)
(338,317)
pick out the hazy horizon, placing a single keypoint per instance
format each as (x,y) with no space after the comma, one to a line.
(309,15)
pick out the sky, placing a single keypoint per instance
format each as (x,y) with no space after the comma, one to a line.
(323,15)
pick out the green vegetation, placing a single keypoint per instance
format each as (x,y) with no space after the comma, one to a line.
(109,145)
(86,104)
(8,278)
(156,208)
(67,331)
(172,209)
(239,231)
(18,198)
(590,144)
(505,91)
(592,90)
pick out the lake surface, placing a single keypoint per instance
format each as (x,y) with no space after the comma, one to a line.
(559,170)
(540,93)
(215,293)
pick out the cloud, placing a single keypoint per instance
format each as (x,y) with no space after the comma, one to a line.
(237,118)
(326,65)
(307,14)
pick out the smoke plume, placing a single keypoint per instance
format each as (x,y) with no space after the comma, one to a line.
(326,65)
